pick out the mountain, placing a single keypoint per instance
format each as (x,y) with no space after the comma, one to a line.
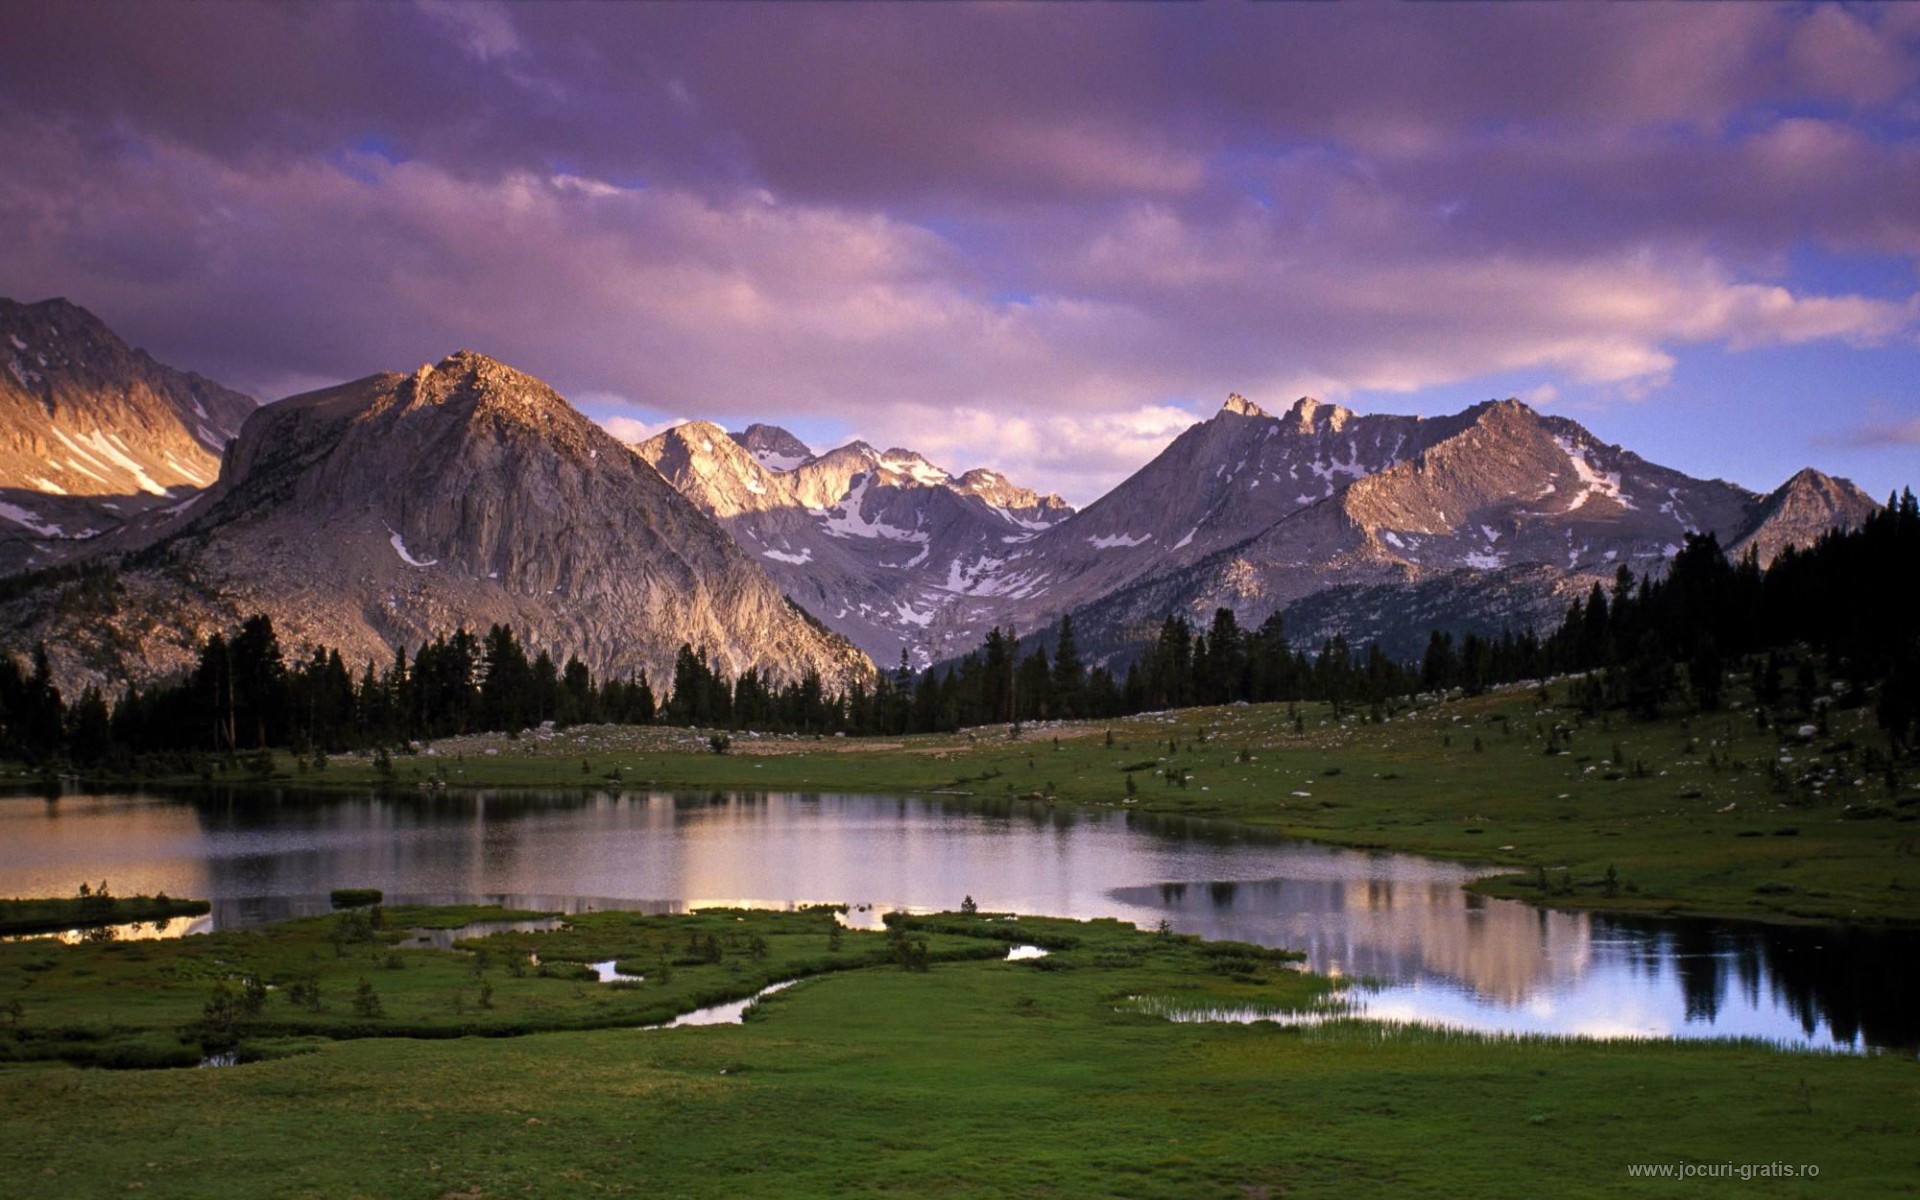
(395,507)
(1360,525)
(773,447)
(93,432)
(881,545)
(1486,519)
(1800,510)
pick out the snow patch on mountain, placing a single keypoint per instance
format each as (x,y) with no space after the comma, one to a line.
(848,518)
(1595,482)
(913,616)
(917,469)
(400,548)
(106,444)
(30,520)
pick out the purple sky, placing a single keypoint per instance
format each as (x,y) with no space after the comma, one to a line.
(1042,238)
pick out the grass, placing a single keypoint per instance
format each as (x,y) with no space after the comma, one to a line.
(147,1003)
(1692,819)
(91,912)
(976,1078)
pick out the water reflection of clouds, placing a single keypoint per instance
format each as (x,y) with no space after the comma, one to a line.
(1387,929)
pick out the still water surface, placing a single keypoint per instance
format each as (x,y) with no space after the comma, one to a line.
(1430,951)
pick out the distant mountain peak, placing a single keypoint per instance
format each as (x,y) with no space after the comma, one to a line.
(1241,406)
(94,432)
(773,447)
(1798,511)
(914,465)
(1813,477)
(1504,414)
(704,434)
(1308,414)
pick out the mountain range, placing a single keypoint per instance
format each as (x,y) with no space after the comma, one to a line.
(885,547)
(390,509)
(1493,517)
(394,507)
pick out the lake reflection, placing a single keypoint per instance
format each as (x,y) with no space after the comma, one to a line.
(1434,952)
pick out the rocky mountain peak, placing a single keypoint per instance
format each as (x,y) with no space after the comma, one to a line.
(469,379)
(1309,415)
(95,433)
(1800,510)
(773,447)
(1035,510)
(699,436)
(1241,406)
(913,465)
(1812,480)
(1509,414)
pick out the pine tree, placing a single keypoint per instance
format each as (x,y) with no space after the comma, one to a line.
(1069,674)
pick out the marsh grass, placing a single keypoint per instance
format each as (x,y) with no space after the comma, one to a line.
(91,911)
(977,1078)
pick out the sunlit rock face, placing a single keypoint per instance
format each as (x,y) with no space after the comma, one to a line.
(396,507)
(95,434)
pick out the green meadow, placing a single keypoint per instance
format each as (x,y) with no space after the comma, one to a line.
(923,1062)
(913,1063)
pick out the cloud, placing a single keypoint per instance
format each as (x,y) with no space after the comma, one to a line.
(1018,236)
(1882,435)
(633,431)
(1080,457)
(485,31)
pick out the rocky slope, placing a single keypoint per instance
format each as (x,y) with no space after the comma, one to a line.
(392,508)
(1800,510)
(94,433)
(882,545)
(1487,519)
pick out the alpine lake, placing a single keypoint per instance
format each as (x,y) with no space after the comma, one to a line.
(1406,941)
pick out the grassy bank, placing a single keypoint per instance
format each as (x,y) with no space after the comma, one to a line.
(975,1077)
(91,912)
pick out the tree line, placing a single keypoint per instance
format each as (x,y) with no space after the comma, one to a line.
(1648,642)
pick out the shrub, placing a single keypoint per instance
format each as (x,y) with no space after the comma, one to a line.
(305,993)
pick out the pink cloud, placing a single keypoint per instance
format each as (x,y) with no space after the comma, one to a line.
(1038,219)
